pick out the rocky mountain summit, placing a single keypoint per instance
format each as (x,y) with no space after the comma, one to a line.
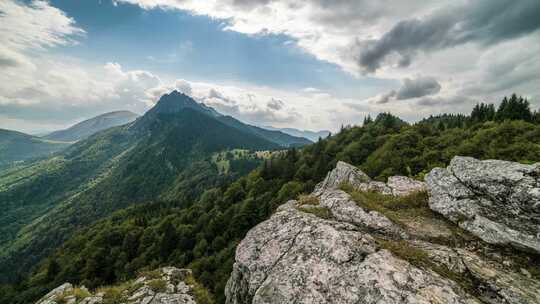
(467,235)
(168,285)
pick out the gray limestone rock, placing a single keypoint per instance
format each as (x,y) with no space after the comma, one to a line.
(498,201)
(143,290)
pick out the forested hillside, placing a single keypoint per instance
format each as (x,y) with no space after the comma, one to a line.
(17,147)
(202,234)
(169,154)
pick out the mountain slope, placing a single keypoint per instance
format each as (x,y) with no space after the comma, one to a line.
(278,137)
(90,126)
(165,155)
(311,135)
(176,101)
(16,146)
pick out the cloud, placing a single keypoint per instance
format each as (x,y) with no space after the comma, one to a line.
(275,104)
(418,87)
(36,25)
(322,28)
(485,22)
(410,88)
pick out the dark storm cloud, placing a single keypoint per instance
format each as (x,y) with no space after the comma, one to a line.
(485,22)
(411,88)
(422,86)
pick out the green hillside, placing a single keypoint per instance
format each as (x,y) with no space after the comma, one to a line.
(17,147)
(165,155)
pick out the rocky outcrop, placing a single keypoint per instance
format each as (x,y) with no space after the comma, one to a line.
(344,209)
(498,201)
(168,285)
(333,249)
(348,174)
(343,173)
(297,257)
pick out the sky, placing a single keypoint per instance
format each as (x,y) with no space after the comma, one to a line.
(312,64)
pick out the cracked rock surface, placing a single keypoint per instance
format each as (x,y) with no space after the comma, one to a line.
(335,251)
(498,201)
(163,286)
(296,257)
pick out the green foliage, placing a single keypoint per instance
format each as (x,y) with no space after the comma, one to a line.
(201,294)
(166,158)
(514,108)
(17,148)
(157,285)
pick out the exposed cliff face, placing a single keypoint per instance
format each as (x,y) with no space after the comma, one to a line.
(168,285)
(498,201)
(361,247)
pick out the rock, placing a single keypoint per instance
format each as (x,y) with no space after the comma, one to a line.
(335,251)
(348,174)
(498,201)
(402,185)
(500,285)
(344,209)
(343,173)
(55,293)
(442,256)
(163,286)
(296,257)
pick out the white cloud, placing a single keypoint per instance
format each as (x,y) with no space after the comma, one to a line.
(323,28)
(460,43)
(36,25)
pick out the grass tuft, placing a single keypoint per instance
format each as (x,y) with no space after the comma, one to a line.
(304,199)
(320,212)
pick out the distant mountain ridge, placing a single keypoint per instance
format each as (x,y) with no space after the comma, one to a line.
(311,135)
(16,146)
(90,126)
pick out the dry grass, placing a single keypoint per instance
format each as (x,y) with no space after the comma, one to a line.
(305,199)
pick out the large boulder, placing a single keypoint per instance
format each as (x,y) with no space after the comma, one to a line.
(297,257)
(498,201)
(168,285)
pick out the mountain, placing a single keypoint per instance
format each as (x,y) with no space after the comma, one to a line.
(203,234)
(170,154)
(176,101)
(90,126)
(278,137)
(311,135)
(16,147)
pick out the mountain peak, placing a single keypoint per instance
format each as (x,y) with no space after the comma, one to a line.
(176,101)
